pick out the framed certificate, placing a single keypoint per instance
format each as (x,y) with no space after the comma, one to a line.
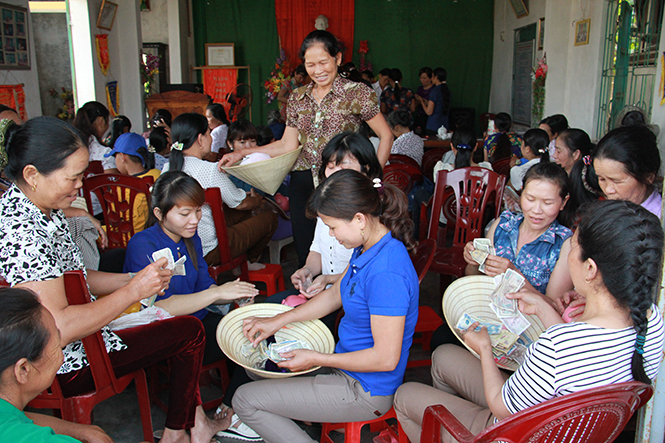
(107,15)
(220,54)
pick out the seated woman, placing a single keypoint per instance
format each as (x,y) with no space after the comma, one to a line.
(327,258)
(248,234)
(502,143)
(534,151)
(379,293)
(553,125)
(31,355)
(532,243)
(464,152)
(92,119)
(615,263)
(626,162)
(47,158)
(406,142)
(219,128)
(570,146)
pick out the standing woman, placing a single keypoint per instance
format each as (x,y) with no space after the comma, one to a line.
(329,105)
(219,128)
(379,293)
(92,119)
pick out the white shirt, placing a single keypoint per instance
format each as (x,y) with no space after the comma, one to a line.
(334,256)
(219,137)
(208,176)
(517,173)
(97,151)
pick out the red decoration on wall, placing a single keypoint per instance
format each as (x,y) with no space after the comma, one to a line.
(219,82)
(14,97)
(295,19)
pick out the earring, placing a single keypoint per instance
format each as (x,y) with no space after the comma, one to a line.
(586,279)
(34,188)
(362,234)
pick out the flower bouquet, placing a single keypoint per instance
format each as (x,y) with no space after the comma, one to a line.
(279,76)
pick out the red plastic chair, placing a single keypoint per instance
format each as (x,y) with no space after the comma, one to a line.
(402,175)
(473,188)
(595,415)
(428,320)
(353,429)
(429,160)
(79,409)
(117,194)
(502,166)
(94,167)
(272,275)
(404,159)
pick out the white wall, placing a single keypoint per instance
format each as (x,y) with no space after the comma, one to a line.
(573,79)
(658,111)
(29,78)
(154,23)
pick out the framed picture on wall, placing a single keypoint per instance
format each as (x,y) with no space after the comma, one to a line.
(220,54)
(106,15)
(521,7)
(14,38)
(582,32)
(541,33)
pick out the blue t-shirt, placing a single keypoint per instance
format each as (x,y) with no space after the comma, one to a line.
(382,281)
(535,260)
(15,427)
(440,95)
(139,253)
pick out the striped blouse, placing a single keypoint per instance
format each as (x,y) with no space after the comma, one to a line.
(571,357)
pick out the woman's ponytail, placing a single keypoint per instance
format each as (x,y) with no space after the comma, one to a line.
(395,216)
(184,133)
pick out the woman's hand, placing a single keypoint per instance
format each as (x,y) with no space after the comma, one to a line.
(571,300)
(235,290)
(257,329)
(103,239)
(529,302)
(93,434)
(300,360)
(298,277)
(495,265)
(479,341)
(153,279)
(318,285)
(230,159)
(468,249)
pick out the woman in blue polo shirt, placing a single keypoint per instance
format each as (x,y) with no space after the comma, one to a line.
(379,294)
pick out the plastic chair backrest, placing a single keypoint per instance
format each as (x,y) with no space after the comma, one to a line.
(502,166)
(595,415)
(116,194)
(423,257)
(215,202)
(405,159)
(473,189)
(402,175)
(94,167)
(430,158)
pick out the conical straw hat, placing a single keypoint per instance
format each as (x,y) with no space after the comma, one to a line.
(470,295)
(265,175)
(231,339)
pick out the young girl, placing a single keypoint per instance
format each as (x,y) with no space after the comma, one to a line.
(247,234)
(534,150)
(406,142)
(571,145)
(615,264)
(379,293)
(119,125)
(160,144)
(464,152)
(533,243)
(219,127)
(553,125)
(177,200)
(242,134)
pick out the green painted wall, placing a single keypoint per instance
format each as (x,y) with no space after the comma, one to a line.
(407,34)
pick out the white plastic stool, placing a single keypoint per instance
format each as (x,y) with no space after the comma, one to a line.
(276,246)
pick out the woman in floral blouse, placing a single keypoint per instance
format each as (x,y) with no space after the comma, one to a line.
(46,161)
(316,113)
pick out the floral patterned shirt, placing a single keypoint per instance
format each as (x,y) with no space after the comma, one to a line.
(535,260)
(344,108)
(409,144)
(36,248)
(515,143)
(394,102)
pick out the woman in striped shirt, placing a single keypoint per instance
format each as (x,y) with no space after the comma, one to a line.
(614,263)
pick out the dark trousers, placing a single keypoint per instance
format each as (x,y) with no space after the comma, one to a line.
(180,341)
(300,189)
